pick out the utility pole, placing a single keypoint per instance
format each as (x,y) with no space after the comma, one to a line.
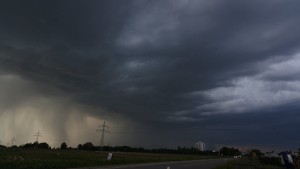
(12,141)
(103,129)
(37,135)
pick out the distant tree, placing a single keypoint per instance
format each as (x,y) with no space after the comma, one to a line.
(43,145)
(14,147)
(79,147)
(88,146)
(35,145)
(27,145)
(63,145)
(229,151)
(2,147)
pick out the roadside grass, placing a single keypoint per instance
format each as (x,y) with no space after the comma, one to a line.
(62,159)
(246,163)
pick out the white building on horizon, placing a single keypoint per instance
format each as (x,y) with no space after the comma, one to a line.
(200,146)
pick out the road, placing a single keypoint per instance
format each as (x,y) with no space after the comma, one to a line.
(195,164)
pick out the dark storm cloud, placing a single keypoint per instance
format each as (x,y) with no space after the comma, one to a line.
(166,62)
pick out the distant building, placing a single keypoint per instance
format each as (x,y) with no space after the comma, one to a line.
(200,146)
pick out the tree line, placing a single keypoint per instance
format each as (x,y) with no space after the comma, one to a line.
(89,146)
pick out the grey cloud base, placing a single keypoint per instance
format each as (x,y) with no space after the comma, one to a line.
(215,71)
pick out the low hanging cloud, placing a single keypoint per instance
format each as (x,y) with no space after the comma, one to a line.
(276,85)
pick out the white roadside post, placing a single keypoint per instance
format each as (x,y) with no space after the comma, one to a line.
(110,156)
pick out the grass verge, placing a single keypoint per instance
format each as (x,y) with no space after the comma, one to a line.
(246,163)
(62,159)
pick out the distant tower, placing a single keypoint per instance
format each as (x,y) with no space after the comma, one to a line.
(13,141)
(103,129)
(200,146)
(38,134)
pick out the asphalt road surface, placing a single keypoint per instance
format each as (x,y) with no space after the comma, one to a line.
(195,164)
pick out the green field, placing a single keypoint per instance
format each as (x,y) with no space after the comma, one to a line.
(62,159)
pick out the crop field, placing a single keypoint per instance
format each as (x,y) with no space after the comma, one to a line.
(62,159)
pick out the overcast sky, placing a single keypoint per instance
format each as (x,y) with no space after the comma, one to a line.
(161,73)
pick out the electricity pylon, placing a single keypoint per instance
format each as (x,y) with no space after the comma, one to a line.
(12,141)
(37,135)
(103,129)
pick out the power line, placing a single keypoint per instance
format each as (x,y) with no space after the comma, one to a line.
(103,129)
